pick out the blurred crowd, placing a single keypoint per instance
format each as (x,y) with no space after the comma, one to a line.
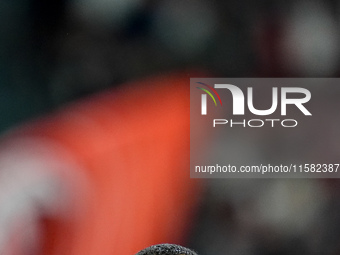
(54,52)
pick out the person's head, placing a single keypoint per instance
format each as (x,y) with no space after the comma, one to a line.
(166,249)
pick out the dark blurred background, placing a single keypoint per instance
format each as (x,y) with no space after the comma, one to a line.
(54,52)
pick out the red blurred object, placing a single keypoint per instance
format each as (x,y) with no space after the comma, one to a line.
(133,148)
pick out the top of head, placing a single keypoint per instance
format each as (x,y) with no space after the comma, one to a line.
(166,249)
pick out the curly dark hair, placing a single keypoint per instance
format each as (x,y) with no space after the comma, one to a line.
(166,249)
